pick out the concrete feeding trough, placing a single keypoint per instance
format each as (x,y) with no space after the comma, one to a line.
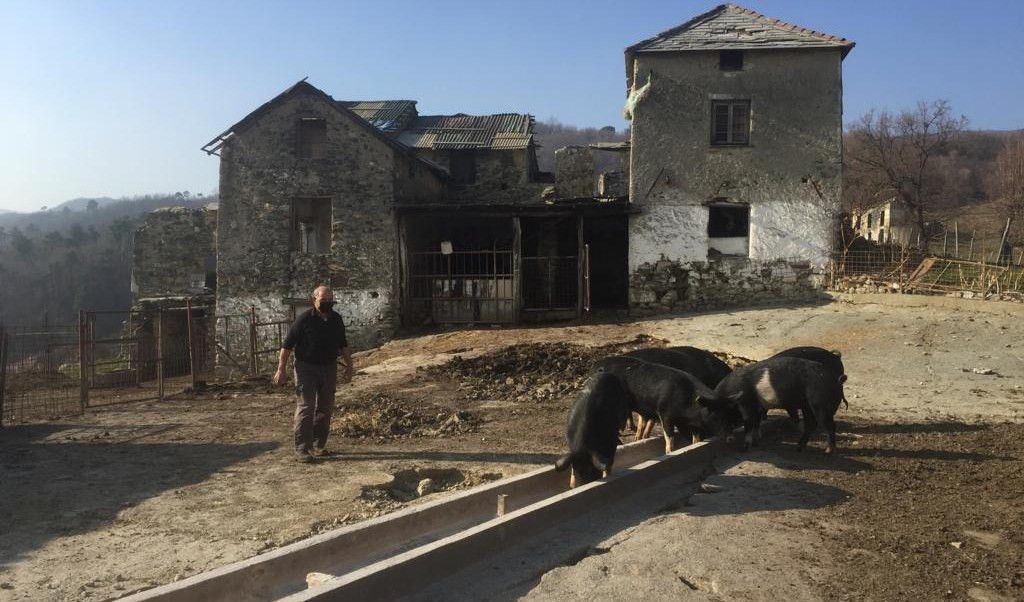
(397,554)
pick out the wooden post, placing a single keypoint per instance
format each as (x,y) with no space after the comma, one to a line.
(517,270)
(191,346)
(253,365)
(581,278)
(1002,243)
(970,253)
(83,362)
(945,235)
(3,371)
(91,323)
(956,239)
(160,354)
(502,504)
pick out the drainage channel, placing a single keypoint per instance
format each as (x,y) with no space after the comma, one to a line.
(403,552)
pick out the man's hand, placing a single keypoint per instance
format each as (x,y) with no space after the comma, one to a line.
(280,377)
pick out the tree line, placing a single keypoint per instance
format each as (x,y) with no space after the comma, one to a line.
(53,263)
(927,158)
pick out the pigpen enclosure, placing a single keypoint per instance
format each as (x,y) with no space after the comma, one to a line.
(113,357)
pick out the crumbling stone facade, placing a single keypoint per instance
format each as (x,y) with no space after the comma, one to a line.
(666,286)
(574,172)
(353,183)
(736,156)
(174,254)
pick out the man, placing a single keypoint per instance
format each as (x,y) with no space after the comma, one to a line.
(318,338)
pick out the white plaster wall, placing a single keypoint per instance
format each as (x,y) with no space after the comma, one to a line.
(675,232)
(786,229)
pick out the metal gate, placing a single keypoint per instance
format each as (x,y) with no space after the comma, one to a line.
(39,373)
(463,287)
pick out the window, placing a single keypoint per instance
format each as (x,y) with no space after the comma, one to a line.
(728,229)
(730,122)
(870,220)
(462,165)
(881,218)
(312,138)
(730,60)
(311,226)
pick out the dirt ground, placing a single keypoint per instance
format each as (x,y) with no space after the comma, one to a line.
(923,502)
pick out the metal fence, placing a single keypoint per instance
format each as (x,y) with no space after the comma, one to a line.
(39,372)
(113,357)
(462,286)
(551,283)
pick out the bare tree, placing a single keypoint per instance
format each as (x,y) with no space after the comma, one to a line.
(895,155)
(1008,178)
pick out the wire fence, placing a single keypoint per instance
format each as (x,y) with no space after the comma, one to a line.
(114,357)
(874,267)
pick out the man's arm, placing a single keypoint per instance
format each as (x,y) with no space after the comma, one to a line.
(281,376)
(346,357)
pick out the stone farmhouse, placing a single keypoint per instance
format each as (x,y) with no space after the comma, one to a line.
(727,194)
(891,222)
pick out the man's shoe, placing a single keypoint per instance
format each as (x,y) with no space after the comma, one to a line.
(304,457)
(322,452)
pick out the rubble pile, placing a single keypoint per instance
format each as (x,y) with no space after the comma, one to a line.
(382,416)
(530,372)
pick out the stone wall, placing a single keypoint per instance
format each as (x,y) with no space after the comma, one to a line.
(789,175)
(173,253)
(502,177)
(358,172)
(574,172)
(667,286)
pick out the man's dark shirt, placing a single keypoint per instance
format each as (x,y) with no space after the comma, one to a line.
(316,340)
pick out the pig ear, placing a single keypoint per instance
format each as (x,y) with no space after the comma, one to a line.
(836,353)
(600,462)
(563,462)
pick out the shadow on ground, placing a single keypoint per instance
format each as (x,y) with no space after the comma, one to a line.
(80,481)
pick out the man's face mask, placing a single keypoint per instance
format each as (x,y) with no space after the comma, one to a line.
(325,306)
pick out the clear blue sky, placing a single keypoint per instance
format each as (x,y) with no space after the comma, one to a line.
(114,98)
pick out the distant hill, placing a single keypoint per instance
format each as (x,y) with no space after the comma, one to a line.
(81,203)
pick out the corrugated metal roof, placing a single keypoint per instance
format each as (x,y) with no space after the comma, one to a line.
(729,26)
(388,116)
(504,131)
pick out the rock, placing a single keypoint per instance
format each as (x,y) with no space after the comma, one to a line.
(425,487)
(985,371)
(957,544)
(314,579)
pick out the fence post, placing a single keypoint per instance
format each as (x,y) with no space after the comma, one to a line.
(253,366)
(3,371)
(160,354)
(956,239)
(83,362)
(191,345)
(1002,243)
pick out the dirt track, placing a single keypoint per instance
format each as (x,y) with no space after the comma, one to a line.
(137,495)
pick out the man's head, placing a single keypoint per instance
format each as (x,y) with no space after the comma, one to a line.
(323,299)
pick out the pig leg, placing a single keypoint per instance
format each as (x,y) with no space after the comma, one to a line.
(829,423)
(810,422)
(648,428)
(572,478)
(694,436)
(666,430)
(638,434)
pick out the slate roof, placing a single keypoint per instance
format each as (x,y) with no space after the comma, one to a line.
(504,131)
(732,27)
(729,26)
